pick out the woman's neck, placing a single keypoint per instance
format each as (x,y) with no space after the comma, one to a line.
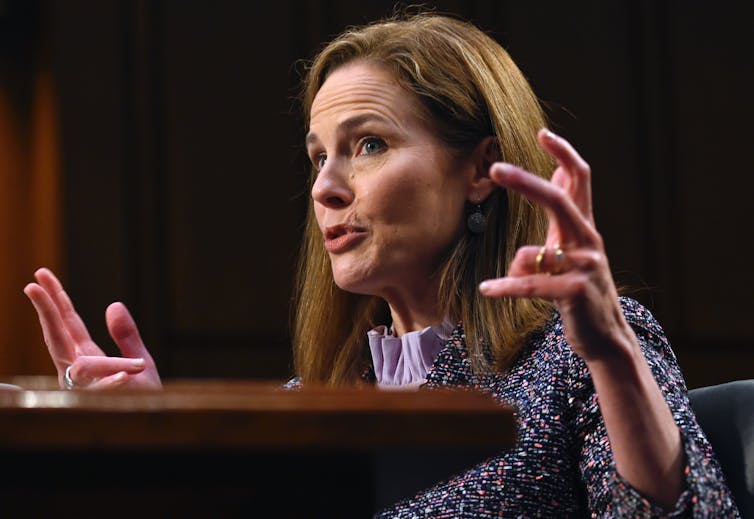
(413,310)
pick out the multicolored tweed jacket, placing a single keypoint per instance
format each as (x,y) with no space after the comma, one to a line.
(562,465)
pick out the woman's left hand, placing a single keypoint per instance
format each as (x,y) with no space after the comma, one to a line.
(571,268)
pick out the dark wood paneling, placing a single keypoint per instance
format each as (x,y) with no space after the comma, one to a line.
(234,204)
(712,68)
(88,55)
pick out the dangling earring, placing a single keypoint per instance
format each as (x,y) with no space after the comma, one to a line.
(476,220)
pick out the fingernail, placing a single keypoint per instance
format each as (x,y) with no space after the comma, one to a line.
(138,363)
(119,377)
(550,135)
(484,286)
(501,168)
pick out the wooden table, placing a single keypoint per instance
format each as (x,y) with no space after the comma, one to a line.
(232,449)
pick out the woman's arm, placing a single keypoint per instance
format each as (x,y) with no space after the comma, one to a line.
(572,270)
(644,438)
(73,351)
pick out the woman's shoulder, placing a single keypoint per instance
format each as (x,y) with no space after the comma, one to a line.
(641,319)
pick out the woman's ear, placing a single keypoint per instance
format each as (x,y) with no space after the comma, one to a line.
(484,156)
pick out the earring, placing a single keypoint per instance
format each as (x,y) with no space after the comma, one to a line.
(476,221)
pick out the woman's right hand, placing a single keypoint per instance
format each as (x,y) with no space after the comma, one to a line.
(69,343)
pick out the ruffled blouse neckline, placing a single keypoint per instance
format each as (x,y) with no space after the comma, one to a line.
(403,362)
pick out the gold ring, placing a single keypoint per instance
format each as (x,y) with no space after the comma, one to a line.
(559,259)
(540,257)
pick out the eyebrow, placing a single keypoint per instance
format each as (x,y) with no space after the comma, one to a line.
(352,124)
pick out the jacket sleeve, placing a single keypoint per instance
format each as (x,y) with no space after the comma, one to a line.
(706,494)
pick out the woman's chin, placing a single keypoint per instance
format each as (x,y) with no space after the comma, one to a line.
(350,287)
(352,284)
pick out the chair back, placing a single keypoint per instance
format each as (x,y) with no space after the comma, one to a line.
(725,413)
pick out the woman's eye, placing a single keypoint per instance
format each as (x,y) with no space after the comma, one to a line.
(319,161)
(372,145)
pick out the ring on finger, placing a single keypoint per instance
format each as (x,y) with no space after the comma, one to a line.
(559,259)
(538,260)
(67,380)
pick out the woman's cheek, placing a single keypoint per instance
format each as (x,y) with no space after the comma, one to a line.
(366,164)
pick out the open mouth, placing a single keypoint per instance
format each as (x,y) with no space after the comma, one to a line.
(340,238)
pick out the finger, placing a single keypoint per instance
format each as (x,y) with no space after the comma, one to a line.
(89,369)
(575,227)
(111,382)
(542,286)
(554,260)
(577,168)
(70,318)
(537,260)
(59,342)
(124,332)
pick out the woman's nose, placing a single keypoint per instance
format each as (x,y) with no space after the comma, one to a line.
(331,188)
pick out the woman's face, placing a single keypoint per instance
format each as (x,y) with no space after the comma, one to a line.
(388,197)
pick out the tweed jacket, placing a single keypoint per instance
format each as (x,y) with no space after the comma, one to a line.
(562,464)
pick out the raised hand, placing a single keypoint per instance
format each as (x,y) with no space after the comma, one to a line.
(77,358)
(571,268)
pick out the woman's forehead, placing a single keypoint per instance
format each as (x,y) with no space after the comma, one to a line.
(361,88)
(356,82)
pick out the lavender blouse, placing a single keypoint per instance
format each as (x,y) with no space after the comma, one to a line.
(403,362)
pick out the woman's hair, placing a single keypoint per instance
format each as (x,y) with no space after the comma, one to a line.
(469,89)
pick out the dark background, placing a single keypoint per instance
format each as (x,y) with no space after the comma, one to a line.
(182,176)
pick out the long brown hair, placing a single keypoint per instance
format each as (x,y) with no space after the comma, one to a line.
(470,89)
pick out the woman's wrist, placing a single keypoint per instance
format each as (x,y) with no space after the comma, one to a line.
(618,352)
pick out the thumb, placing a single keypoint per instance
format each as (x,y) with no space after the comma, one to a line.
(124,332)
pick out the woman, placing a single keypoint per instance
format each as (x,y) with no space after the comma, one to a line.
(412,208)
